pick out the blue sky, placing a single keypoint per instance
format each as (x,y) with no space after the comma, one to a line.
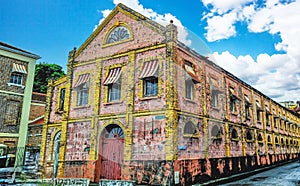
(258,41)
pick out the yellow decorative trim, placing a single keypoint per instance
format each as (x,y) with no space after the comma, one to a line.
(60,81)
(123,54)
(227,141)
(117,24)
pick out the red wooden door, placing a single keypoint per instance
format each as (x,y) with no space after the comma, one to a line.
(112,158)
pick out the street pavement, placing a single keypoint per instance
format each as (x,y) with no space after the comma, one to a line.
(286,175)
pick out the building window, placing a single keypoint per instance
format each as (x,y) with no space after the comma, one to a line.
(189,128)
(149,77)
(234,135)
(12,112)
(189,88)
(82,88)
(233,100)
(150,86)
(267,116)
(214,99)
(258,111)
(114,92)
(82,95)
(16,78)
(247,107)
(113,82)
(119,33)
(62,99)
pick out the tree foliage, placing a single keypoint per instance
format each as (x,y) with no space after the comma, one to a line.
(45,72)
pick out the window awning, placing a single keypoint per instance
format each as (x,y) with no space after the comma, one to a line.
(258,107)
(232,94)
(19,68)
(267,110)
(247,100)
(149,69)
(274,114)
(191,73)
(113,76)
(83,78)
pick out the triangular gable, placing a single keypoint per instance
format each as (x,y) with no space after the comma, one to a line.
(126,11)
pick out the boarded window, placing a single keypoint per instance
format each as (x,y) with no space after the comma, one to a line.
(12,112)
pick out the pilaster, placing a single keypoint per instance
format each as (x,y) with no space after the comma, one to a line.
(129,106)
(227,140)
(45,125)
(65,116)
(171,93)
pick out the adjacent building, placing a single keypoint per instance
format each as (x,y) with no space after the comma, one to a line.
(36,121)
(137,104)
(16,80)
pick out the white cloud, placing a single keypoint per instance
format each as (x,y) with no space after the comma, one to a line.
(221,27)
(273,75)
(278,75)
(163,19)
(221,6)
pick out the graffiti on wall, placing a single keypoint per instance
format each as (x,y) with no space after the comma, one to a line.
(149,172)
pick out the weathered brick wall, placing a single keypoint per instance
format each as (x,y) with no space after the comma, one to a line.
(55,116)
(6,123)
(78,141)
(142,36)
(6,69)
(191,146)
(213,76)
(35,135)
(149,138)
(195,105)
(149,172)
(6,114)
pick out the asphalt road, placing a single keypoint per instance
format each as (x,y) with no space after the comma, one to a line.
(286,175)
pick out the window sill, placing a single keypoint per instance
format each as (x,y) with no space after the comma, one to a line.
(82,106)
(59,112)
(17,85)
(189,100)
(234,113)
(148,98)
(216,108)
(112,103)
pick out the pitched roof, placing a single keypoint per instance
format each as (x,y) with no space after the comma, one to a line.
(10,48)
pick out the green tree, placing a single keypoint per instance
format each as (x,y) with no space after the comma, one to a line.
(45,72)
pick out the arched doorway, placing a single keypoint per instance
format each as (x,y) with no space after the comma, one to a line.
(111,152)
(56,147)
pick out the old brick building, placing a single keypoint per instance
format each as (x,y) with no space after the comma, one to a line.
(16,80)
(36,121)
(137,104)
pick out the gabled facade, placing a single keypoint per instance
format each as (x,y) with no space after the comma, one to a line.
(16,80)
(136,104)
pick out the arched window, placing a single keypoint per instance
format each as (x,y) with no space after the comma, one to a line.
(119,33)
(189,128)
(249,136)
(269,139)
(216,132)
(276,140)
(234,135)
(260,139)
